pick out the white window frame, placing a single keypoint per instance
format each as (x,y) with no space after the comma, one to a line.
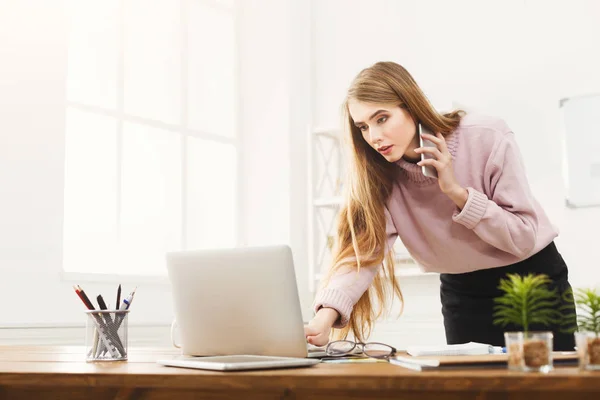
(181,128)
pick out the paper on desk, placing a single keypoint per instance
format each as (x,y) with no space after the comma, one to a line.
(410,365)
(425,362)
(465,349)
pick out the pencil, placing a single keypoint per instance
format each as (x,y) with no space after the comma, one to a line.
(85,299)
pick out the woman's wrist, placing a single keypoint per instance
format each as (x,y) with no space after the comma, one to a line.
(459,195)
(327,316)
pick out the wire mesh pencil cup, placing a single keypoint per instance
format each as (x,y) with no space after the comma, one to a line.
(106,335)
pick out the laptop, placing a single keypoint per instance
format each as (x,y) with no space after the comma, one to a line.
(240,302)
(239,363)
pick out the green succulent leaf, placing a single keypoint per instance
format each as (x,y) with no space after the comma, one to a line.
(527,300)
(588,310)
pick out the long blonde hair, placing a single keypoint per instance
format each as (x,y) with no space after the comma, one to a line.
(361,227)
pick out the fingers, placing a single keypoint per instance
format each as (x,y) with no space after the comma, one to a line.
(317,342)
(430,161)
(435,139)
(310,331)
(438,139)
(320,340)
(443,146)
(315,336)
(442,158)
(429,150)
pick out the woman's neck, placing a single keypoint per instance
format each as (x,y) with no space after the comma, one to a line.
(410,154)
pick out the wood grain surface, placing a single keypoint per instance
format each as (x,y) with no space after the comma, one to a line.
(61,373)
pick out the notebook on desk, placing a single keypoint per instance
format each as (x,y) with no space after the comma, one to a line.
(464,349)
(424,363)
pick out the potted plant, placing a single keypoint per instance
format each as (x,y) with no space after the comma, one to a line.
(527,300)
(588,336)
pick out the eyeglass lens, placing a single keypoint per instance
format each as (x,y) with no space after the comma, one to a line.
(343,347)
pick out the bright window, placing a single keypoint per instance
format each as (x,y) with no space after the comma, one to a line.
(151,139)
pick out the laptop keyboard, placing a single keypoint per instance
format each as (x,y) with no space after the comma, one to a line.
(314,351)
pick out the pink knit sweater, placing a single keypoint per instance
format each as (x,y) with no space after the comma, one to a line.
(501,223)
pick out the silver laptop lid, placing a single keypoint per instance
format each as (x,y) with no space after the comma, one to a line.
(237,301)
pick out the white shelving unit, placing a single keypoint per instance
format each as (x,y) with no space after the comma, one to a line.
(325,198)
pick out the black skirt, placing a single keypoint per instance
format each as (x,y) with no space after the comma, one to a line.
(468,300)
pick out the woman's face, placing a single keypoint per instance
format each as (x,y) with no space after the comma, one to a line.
(387,128)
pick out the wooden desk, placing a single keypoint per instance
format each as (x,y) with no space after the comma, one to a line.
(59,373)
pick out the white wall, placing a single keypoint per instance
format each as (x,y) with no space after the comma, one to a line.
(514,59)
(33,49)
(275,77)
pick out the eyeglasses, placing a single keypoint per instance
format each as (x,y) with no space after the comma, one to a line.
(340,348)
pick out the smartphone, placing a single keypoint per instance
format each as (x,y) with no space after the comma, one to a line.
(428,170)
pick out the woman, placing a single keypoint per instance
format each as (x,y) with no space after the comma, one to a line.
(474,224)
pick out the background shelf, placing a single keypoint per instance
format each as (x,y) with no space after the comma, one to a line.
(326,186)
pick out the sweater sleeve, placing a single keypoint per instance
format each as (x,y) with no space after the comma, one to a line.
(507,220)
(345,288)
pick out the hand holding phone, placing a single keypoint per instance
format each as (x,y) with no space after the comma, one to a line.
(428,170)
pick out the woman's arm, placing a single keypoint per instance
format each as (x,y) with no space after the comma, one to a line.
(346,287)
(319,328)
(508,219)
